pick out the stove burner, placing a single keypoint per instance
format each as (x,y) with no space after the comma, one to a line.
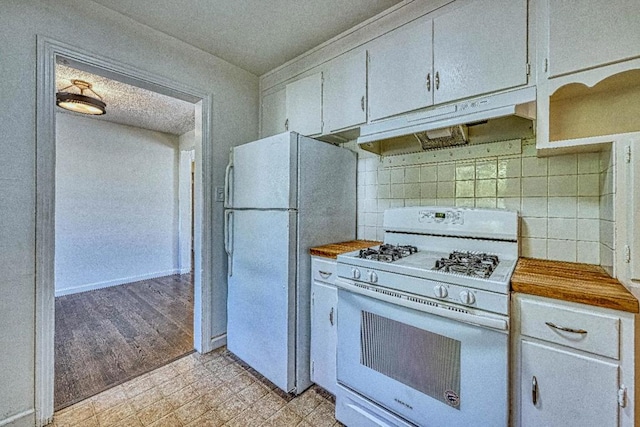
(468,263)
(387,252)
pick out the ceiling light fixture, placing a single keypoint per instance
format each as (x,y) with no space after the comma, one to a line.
(79,102)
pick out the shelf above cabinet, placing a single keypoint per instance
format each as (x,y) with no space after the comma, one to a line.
(586,111)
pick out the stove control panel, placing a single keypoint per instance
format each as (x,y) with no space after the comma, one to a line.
(440,291)
(467,297)
(445,216)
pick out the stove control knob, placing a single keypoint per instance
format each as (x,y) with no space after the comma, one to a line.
(467,297)
(440,291)
(373,277)
(355,273)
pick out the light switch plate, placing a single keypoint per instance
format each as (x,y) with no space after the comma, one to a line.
(219,194)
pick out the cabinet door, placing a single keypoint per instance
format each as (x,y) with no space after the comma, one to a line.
(572,389)
(632,205)
(324,336)
(274,113)
(480,48)
(304,105)
(345,90)
(589,33)
(400,70)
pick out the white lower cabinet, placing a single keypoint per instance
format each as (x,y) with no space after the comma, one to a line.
(324,338)
(560,387)
(573,364)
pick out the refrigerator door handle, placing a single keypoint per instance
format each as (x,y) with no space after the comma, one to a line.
(227,183)
(228,240)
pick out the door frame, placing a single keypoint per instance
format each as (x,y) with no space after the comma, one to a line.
(47,51)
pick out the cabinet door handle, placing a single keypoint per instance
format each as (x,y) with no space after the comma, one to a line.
(286,124)
(534,390)
(428,82)
(565,329)
(362,102)
(331,316)
(437,80)
(324,274)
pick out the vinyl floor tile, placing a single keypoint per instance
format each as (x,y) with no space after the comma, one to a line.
(191,392)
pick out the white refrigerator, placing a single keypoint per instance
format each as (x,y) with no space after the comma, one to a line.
(284,195)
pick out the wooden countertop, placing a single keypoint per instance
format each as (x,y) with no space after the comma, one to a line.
(335,249)
(581,283)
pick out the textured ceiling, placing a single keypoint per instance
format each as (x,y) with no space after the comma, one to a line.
(256,35)
(131,105)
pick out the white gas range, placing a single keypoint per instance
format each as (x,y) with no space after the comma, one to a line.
(423,320)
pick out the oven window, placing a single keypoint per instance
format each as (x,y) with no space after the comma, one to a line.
(420,359)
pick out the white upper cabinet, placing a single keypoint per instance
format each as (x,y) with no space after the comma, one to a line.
(480,48)
(400,70)
(345,92)
(274,113)
(304,105)
(475,49)
(591,33)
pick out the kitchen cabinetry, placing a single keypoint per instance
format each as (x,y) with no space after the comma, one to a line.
(304,105)
(345,92)
(324,303)
(401,70)
(475,49)
(572,362)
(591,34)
(274,113)
(563,388)
(627,206)
(589,83)
(480,48)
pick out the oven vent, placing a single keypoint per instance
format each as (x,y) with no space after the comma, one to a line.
(459,310)
(422,301)
(385,292)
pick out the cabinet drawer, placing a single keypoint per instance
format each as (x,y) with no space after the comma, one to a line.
(589,331)
(323,270)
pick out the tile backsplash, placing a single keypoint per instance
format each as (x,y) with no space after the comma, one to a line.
(565,202)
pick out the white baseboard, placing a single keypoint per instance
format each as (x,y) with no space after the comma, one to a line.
(116,282)
(219,341)
(23,419)
(184,270)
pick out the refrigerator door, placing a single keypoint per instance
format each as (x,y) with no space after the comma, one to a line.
(261,293)
(264,173)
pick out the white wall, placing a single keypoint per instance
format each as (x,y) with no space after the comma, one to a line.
(89,27)
(563,215)
(116,204)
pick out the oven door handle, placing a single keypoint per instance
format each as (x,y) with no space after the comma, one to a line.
(438,310)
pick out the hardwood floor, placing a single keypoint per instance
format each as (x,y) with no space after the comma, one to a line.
(107,336)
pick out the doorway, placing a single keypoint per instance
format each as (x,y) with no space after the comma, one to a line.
(48,52)
(124,292)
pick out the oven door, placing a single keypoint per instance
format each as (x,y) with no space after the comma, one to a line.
(429,369)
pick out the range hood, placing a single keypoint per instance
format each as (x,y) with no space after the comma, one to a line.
(503,116)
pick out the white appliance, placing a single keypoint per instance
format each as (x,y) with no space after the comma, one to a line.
(285,194)
(423,326)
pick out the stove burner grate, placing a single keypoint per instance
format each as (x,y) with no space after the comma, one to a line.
(387,252)
(468,263)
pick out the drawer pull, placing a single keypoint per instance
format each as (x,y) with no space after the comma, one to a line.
(331,316)
(534,390)
(565,329)
(324,274)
